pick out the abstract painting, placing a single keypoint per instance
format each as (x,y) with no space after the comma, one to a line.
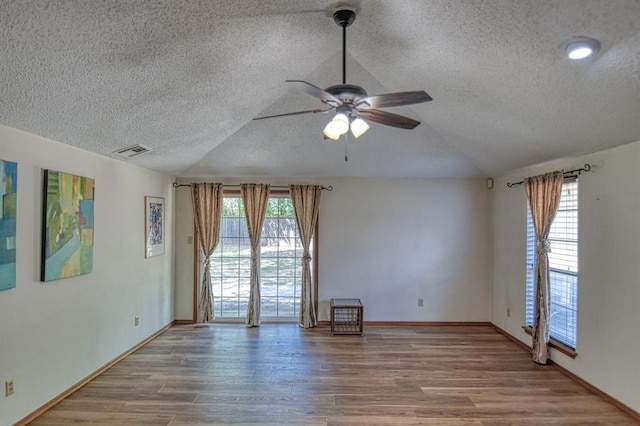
(8,204)
(154,226)
(67,225)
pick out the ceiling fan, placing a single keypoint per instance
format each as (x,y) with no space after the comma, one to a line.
(352,102)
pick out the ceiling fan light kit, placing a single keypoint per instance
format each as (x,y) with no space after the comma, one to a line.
(350,102)
(337,127)
(341,124)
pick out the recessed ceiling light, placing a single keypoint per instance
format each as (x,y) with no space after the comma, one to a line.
(581,47)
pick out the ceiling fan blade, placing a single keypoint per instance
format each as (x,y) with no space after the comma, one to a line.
(314,91)
(389,119)
(395,99)
(311,111)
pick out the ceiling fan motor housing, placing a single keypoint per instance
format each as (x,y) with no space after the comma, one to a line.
(347,93)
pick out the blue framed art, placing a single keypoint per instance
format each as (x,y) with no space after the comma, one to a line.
(8,208)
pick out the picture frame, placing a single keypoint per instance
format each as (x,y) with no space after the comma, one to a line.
(154,218)
(8,216)
(67,225)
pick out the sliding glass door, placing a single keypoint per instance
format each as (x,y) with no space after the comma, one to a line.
(280,267)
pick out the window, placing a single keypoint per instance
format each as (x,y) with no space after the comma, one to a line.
(280,264)
(563,267)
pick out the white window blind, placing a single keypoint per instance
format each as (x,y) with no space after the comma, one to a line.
(563,266)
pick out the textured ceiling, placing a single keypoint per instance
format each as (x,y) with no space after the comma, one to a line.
(185,78)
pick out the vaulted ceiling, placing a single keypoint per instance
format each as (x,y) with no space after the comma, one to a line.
(186,78)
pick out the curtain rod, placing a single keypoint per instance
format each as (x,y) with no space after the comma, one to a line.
(569,173)
(177,185)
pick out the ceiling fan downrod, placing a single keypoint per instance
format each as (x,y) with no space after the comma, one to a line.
(344,18)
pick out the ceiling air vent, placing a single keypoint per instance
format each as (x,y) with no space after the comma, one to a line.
(132,151)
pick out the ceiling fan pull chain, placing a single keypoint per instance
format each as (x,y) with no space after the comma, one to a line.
(346,157)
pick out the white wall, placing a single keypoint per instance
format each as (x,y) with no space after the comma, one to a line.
(387,242)
(390,242)
(609,267)
(54,334)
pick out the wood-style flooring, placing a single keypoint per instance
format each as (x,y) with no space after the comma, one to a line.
(280,374)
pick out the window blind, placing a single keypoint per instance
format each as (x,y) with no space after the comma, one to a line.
(563,266)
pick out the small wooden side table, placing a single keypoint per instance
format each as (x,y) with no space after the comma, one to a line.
(346,316)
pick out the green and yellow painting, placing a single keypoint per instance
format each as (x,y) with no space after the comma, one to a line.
(67,231)
(8,204)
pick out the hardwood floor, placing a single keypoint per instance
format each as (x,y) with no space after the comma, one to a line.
(279,374)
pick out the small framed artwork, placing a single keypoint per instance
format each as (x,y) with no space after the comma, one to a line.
(154,226)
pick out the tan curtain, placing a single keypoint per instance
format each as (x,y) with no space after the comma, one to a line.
(543,193)
(206,199)
(306,201)
(255,199)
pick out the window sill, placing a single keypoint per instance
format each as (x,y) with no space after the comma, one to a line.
(570,352)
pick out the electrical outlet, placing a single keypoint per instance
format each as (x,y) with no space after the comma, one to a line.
(8,387)
(136,321)
(508,312)
(190,239)
(420,302)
